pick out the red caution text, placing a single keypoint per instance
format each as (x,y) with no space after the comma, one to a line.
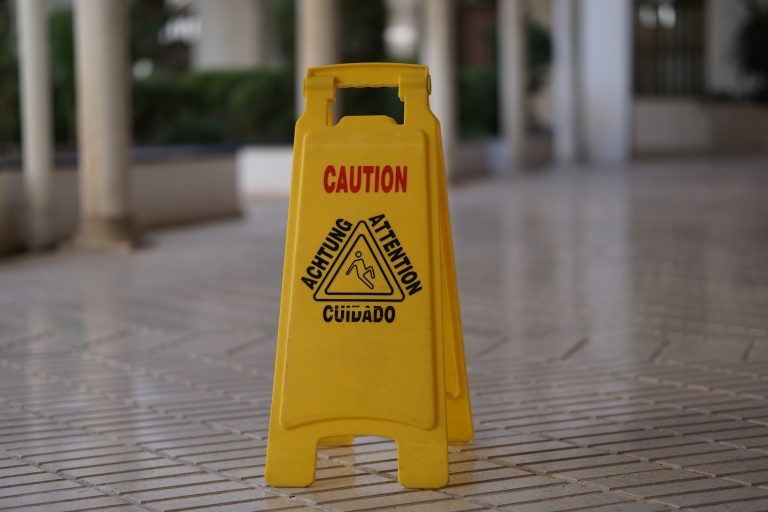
(365,179)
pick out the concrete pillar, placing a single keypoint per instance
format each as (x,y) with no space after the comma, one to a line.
(438,54)
(37,127)
(103,124)
(564,87)
(401,35)
(234,34)
(512,79)
(317,40)
(605,33)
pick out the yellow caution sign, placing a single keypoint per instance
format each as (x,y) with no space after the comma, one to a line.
(369,341)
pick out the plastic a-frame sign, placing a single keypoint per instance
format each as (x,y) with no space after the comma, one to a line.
(369,339)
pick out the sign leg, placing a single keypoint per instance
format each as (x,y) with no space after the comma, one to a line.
(422,464)
(291,460)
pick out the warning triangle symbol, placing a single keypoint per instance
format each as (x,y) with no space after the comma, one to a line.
(360,272)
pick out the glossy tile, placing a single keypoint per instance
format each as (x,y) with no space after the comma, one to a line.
(616,329)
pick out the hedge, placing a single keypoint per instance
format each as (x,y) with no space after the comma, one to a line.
(214,107)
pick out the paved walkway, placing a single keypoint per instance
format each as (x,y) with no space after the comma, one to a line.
(616,328)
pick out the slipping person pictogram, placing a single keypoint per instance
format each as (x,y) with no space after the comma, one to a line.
(359,271)
(368,270)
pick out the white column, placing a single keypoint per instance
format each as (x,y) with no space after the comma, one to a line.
(37,127)
(564,80)
(401,35)
(606,78)
(438,49)
(317,41)
(234,34)
(512,79)
(103,124)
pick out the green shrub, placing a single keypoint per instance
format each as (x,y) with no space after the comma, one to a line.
(478,87)
(9,81)
(214,107)
(62,36)
(236,107)
(361,30)
(539,54)
(478,100)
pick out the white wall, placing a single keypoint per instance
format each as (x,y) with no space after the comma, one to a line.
(606,78)
(685,125)
(183,191)
(264,170)
(671,125)
(167,193)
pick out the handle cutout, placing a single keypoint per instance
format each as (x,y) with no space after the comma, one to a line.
(368,101)
(322,85)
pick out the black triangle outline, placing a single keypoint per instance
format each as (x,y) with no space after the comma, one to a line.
(344,260)
(361,296)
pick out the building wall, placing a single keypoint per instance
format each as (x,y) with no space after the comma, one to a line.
(671,124)
(687,125)
(690,124)
(165,193)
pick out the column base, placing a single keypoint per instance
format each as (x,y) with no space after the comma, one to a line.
(39,234)
(105,235)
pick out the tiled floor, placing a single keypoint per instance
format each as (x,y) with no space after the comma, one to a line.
(616,328)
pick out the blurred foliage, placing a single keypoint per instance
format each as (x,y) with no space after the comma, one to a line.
(478,87)
(284,13)
(175,107)
(214,107)
(478,102)
(371,101)
(752,46)
(62,49)
(256,106)
(147,19)
(9,80)
(361,39)
(539,57)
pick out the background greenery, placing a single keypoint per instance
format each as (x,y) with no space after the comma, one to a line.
(752,46)
(177,106)
(214,107)
(9,80)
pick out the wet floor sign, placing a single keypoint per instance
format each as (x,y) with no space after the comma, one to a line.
(369,341)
